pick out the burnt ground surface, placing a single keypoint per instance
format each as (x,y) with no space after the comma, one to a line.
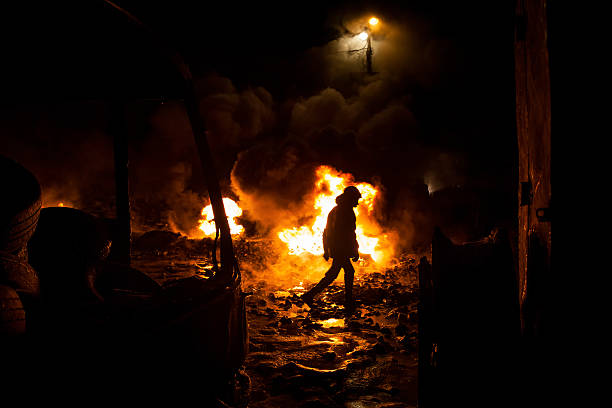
(302,357)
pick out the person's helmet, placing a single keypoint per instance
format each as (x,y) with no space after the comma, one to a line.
(353,192)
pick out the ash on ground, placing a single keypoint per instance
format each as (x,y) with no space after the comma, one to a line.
(302,357)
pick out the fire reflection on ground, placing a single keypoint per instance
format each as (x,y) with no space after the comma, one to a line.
(300,356)
(331,322)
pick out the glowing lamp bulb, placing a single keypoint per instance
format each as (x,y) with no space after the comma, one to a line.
(373,21)
(363,36)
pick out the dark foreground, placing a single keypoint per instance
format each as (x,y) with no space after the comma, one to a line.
(313,358)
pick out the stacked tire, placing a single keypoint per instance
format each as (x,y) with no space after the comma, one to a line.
(19,212)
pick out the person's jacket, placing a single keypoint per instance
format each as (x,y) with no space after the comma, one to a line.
(339,239)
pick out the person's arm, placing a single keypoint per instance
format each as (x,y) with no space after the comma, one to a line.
(355,249)
(325,244)
(326,234)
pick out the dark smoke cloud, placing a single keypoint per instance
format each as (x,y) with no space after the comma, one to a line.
(274,182)
(332,113)
(387,129)
(167,166)
(357,123)
(67,149)
(234,118)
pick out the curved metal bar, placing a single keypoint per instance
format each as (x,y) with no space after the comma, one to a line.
(192,105)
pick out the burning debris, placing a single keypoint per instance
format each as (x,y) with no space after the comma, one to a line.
(293,253)
(207,224)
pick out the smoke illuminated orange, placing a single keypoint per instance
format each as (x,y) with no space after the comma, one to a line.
(232,210)
(330,184)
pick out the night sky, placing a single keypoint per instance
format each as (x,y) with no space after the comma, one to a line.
(280,95)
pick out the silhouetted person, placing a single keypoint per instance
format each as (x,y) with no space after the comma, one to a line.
(340,243)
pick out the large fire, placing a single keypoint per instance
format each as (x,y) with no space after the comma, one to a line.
(232,210)
(330,184)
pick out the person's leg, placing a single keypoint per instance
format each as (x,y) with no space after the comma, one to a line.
(329,277)
(349,276)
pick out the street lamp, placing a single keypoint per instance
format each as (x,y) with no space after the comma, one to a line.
(366,35)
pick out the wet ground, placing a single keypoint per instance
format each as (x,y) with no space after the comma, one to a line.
(302,357)
(319,358)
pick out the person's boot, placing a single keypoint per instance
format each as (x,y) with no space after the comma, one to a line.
(308,297)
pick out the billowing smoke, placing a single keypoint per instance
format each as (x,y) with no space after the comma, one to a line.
(266,150)
(443,170)
(167,172)
(234,119)
(358,123)
(274,182)
(67,149)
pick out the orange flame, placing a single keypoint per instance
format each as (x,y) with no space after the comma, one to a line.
(62,204)
(232,210)
(331,183)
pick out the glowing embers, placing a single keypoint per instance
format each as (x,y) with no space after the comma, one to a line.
(330,184)
(232,210)
(332,322)
(299,287)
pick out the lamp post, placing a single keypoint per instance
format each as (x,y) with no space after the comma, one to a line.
(366,35)
(371,23)
(369,55)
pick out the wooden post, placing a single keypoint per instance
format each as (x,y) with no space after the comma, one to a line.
(533,118)
(123,233)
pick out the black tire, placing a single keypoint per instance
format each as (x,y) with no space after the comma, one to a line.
(12,314)
(18,273)
(19,207)
(64,251)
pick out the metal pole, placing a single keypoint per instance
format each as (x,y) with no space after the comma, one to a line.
(369,54)
(214,190)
